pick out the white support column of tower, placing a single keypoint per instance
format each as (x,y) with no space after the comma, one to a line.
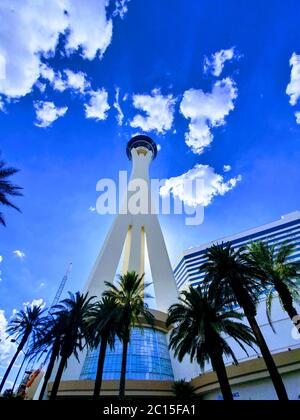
(133,230)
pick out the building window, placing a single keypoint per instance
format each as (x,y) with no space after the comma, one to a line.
(148,358)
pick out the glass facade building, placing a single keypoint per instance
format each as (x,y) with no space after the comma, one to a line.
(148,358)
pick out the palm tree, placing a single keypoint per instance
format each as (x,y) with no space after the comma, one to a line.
(102,324)
(273,266)
(7,188)
(183,390)
(49,341)
(24,325)
(129,295)
(199,325)
(231,279)
(73,311)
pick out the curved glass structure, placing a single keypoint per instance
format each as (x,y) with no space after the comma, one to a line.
(141,141)
(148,358)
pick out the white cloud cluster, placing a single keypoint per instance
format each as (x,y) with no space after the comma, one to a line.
(121,8)
(90,30)
(159,112)
(30,31)
(206,111)
(77,81)
(19,254)
(293,88)
(7,348)
(198,186)
(98,105)
(117,106)
(35,302)
(47,113)
(227,168)
(68,79)
(215,64)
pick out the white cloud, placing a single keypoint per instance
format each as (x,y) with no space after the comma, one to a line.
(198,186)
(215,64)
(27,31)
(92,209)
(68,79)
(89,28)
(19,254)
(293,88)
(30,31)
(97,106)
(7,348)
(76,81)
(297,115)
(120,114)
(1,259)
(35,302)
(227,168)
(47,113)
(121,8)
(159,111)
(206,111)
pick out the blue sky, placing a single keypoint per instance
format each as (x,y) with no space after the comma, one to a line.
(153,53)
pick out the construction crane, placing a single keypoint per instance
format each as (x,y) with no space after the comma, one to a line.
(61,287)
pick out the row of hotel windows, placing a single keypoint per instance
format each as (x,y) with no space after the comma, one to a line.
(191,265)
(281,232)
(195,274)
(280,237)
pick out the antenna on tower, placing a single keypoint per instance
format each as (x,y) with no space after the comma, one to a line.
(61,287)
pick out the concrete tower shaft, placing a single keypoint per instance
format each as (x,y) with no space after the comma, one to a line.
(131,232)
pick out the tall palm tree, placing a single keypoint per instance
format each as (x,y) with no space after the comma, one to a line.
(24,325)
(7,188)
(49,340)
(73,311)
(274,267)
(200,323)
(233,280)
(102,323)
(129,295)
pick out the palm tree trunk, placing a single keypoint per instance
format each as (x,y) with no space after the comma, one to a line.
(54,354)
(123,369)
(271,366)
(99,375)
(18,374)
(291,311)
(287,301)
(19,349)
(57,380)
(220,369)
